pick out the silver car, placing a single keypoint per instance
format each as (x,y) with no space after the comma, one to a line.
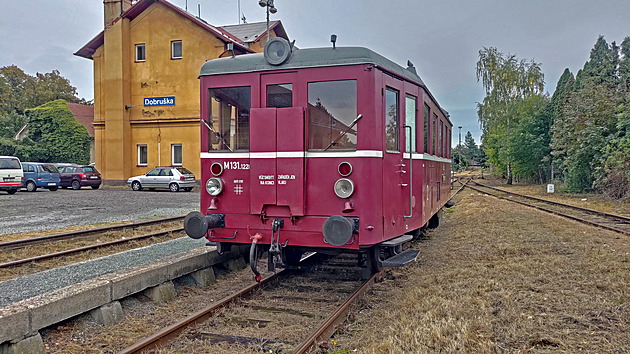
(173,178)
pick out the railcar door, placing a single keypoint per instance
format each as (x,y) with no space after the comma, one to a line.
(277,149)
(396,169)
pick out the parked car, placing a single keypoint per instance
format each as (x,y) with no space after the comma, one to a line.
(77,176)
(37,174)
(11,174)
(173,178)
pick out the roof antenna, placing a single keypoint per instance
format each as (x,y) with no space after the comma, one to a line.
(199,10)
(186,5)
(333,39)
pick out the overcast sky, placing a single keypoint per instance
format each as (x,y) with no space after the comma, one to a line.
(441,38)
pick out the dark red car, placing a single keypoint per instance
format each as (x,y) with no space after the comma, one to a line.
(77,176)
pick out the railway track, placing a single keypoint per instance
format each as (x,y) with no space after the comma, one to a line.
(613,222)
(290,311)
(22,250)
(39,240)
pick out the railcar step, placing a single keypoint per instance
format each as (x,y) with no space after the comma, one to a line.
(397,241)
(401,259)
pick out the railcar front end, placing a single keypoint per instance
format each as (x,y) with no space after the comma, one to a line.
(315,149)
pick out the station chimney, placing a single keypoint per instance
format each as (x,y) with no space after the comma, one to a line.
(113,10)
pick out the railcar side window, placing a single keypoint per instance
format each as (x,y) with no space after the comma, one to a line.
(435,130)
(427,113)
(410,120)
(332,107)
(441,138)
(280,96)
(229,118)
(392,127)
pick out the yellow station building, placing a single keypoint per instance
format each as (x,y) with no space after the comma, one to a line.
(146,88)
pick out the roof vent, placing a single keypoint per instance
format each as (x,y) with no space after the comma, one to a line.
(411,68)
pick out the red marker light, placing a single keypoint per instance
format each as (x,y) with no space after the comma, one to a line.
(216,169)
(345,169)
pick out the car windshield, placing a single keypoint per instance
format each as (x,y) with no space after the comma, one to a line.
(50,168)
(7,163)
(183,171)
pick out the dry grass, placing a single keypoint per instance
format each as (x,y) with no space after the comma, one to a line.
(499,277)
(586,200)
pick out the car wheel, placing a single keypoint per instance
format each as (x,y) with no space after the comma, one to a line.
(188,189)
(52,189)
(174,187)
(76,185)
(30,186)
(11,191)
(136,186)
(95,187)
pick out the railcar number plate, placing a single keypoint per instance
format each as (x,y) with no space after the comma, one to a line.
(235,165)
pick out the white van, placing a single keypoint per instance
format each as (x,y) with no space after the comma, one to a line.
(11,174)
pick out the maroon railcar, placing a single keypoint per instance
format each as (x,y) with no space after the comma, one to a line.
(324,149)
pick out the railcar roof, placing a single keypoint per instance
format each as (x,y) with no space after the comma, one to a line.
(307,58)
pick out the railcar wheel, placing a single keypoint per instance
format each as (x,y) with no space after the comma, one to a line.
(174,187)
(136,186)
(76,185)
(375,258)
(30,186)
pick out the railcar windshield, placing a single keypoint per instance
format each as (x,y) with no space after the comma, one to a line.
(229,118)
(332,107)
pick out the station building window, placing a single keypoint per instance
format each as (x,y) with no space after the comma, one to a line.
(229,118)
(332,107)
(176,49)
(141,54)
(392,127)
(142,154)
(176,154)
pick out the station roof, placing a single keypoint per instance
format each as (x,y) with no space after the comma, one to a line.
(252,32)
(135,10)
(308,58)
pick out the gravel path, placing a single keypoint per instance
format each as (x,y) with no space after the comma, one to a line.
(39,283)
(44,210)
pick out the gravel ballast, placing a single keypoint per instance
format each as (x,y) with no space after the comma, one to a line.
(39,283)
(45,210)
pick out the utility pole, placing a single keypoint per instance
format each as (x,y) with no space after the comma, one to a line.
(459,147)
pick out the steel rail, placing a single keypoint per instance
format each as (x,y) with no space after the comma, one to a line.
(620,217)
(170,333)
(572,217)
(80,233)
(327,329)
(86,248)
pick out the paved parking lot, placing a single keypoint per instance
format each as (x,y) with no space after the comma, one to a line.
(44,210)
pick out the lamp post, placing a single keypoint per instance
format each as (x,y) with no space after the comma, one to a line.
(270,8)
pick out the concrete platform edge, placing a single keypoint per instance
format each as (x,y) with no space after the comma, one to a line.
(25,318)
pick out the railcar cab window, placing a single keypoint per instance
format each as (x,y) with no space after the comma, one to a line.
(392,128)
(427,113)
(229,118)
(332,107)
(280,96)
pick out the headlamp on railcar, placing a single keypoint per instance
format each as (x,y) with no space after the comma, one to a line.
(344,187)
(214,186)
